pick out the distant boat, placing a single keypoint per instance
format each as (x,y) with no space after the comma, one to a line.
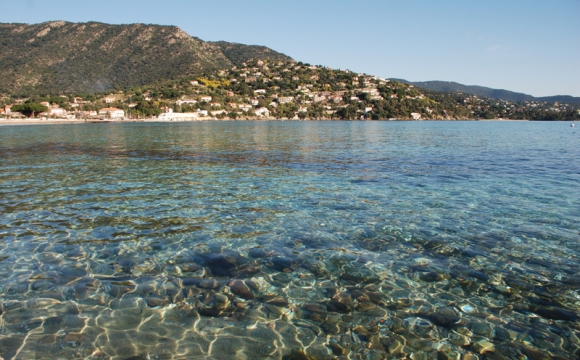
(571,125)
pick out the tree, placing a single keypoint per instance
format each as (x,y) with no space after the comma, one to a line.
(29,109)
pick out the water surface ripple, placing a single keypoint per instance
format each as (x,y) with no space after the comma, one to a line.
(296,240)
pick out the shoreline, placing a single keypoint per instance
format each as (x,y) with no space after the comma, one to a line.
(17,122)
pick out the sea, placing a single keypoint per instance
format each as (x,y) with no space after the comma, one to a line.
(290,240)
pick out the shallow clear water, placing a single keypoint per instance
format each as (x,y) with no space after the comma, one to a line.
(241,240)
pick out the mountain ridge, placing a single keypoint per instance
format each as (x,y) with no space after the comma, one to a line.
(59,56)
(501,94)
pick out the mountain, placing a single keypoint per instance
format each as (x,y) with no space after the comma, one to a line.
(449,86)
(240,53)
(63,57)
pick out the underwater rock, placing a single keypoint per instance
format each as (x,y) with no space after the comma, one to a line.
(363,295)
(338,349)
(459,339)
(120,290)
(555,313)
(297,355)
(239,288)
(220,265)
(281,279)
(445,317)
(275,300)
(214,304)
(419,327)
(433,277)
(341,302)
(211,283)
(483,346)
(258,253)
(316,267)
(157,300)
(190,268)
(358,275)
(504,334)
(448,354)
(333,326)
(469,356)
(284,264)
(481,328)
(314,312)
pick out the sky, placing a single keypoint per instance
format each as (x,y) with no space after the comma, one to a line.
(527,46)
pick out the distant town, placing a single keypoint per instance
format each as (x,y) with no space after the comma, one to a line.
(266,90)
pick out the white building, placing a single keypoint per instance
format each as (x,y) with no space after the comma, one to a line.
(112,113)
(186,101)
(171,116)
(263,112)
(56,112)
(285,100)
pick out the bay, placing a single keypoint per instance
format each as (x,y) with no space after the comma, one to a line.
(272,239)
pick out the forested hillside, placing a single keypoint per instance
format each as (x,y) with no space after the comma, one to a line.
(87,57)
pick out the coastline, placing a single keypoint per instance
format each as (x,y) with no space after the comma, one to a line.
(18,122)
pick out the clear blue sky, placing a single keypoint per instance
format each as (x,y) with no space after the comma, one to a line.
(528,46)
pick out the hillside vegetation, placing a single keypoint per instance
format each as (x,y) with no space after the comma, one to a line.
(62,57)
(75,70)
(449,86)
(261,89)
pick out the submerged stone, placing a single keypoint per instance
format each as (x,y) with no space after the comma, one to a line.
(341,302)
(276,300)
(239,288)
(338,349)
(483,346)
(219,265)
(284,264)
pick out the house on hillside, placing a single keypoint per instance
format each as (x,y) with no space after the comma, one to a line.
(112,113)
(245,107)
(285,99)
(206,98)
(263,112)
(186,101)
(319,98)
(56,111)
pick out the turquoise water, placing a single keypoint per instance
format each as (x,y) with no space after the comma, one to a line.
(241,240)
